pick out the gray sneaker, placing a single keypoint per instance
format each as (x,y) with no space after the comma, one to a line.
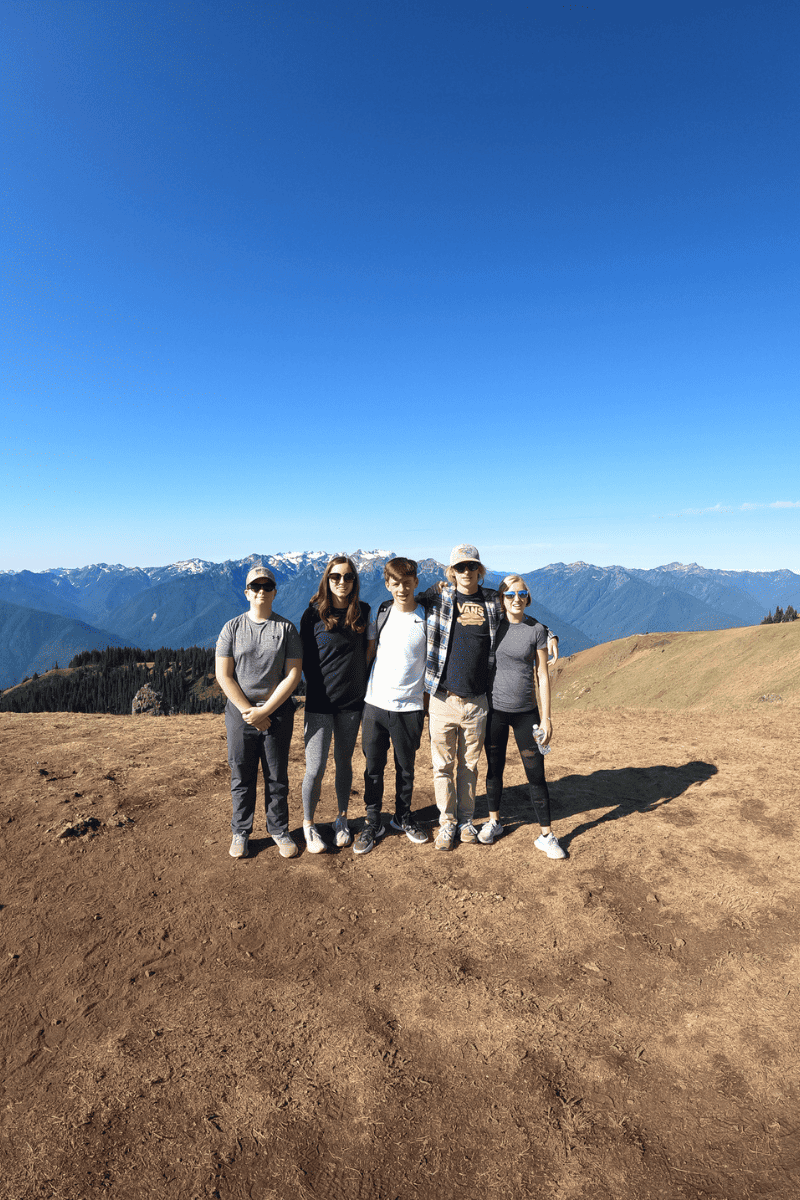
(412,831)
(445,837)
(239,846)
(286,844)
(490,832)
(368,837)
(342,831)
(314,841)
(468,832)
(548,842)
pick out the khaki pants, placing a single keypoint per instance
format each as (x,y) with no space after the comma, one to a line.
(457,728)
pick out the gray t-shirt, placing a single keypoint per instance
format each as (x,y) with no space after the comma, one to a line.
(259,651)
(511,688)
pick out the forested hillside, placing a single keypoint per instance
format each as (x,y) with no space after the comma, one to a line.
(106,682)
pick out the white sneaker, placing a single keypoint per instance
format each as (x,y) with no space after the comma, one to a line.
(287,846)
(548,842)
(314,842)
(489,832)
(343,835)
(239,846)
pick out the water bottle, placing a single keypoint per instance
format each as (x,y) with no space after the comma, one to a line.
(538,736)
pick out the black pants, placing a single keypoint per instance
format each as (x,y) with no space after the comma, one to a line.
(496,744)
(379,727)
(247,747)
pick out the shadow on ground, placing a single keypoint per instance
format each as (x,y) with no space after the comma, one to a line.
(622,792)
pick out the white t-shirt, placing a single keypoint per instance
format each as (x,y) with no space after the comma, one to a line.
(396,682)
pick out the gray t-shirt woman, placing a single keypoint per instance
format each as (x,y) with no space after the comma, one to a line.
(511,685)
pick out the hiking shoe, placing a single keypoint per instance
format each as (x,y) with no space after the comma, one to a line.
(286,844)
(445,837)
(314,841)
(548,842)
(468,832)
(239,846)
(412,831)
(490,831)
(368,837)
(343,835)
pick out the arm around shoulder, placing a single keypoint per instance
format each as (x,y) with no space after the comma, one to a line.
(432,596)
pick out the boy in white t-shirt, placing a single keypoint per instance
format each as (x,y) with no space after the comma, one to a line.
(394,706)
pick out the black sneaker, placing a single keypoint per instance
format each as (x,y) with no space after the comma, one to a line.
(368,837)
(413,832)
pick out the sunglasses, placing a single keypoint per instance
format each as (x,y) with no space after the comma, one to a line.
(348,577)
(467,566)
(511,595)
(266,585)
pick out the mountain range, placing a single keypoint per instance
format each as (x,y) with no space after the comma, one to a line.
(49,616)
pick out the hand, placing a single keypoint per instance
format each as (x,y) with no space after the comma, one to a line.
(257,718)
(552,650)
(547,725)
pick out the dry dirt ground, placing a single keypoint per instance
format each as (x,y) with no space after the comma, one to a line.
(408,1024)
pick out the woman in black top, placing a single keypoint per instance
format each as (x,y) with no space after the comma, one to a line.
(333,631)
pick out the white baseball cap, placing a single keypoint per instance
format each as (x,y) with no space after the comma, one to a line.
(464,553)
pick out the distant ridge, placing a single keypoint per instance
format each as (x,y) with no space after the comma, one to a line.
(742,668)
(187,603)
(32,641)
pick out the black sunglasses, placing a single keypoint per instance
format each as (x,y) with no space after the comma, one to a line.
(467,566)
(262,585)
(511,595)
(348,577)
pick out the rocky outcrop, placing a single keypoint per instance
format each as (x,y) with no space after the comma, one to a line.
(147,703)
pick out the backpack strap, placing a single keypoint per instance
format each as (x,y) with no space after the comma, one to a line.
(381,618)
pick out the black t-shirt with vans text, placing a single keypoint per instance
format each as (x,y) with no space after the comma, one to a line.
(466,669)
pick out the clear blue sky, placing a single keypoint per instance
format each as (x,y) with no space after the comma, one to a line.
(394,275)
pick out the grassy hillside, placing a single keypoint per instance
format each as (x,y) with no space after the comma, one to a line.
(708,669)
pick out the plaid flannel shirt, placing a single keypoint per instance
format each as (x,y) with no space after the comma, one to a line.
(438,623)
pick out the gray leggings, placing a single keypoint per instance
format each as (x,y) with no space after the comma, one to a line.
(318,729)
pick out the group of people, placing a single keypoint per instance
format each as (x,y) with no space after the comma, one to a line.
(466,655)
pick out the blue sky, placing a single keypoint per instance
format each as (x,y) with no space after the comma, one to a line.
(287,276)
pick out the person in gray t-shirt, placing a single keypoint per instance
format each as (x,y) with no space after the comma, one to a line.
(258,666)
(520,656)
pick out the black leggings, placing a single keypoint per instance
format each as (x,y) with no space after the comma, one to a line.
(496,743)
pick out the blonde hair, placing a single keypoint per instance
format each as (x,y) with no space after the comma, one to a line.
(515,579)
(451,575)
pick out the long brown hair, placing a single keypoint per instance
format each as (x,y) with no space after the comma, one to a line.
(323,600)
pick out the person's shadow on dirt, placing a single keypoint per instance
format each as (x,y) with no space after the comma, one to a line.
(623,792)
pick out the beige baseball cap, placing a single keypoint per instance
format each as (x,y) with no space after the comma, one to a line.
(258,572)
(464,553)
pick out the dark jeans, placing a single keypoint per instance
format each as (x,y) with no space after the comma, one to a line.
(247,747)
(379,727)
(496,743)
